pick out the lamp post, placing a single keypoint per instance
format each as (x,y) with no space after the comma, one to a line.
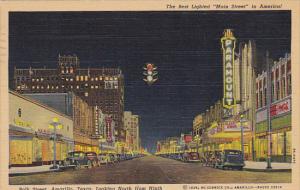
(197,143)
(269,101)
(242,121)
(55,124)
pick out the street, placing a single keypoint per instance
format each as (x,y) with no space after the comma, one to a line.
(152,170)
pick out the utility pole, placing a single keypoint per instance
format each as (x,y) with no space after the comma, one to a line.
(269,101)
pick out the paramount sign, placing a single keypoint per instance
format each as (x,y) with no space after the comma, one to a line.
(228,46)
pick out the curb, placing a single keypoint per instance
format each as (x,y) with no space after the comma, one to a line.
(266,170)
(31,173)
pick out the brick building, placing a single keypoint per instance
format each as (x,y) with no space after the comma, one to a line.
(103,87)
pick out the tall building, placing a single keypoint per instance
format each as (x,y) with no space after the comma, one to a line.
(131,123)
(103,87)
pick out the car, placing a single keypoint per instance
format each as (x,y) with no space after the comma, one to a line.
(230,158)
(191,157)
(92,156)
(77,160)
(104,158)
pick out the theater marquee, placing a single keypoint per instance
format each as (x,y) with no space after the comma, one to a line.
(228,46)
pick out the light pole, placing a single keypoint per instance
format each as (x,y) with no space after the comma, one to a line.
(197,143)
(269,101)
(242,121)
(55,124)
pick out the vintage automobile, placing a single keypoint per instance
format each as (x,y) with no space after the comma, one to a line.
(229,159)
(191,157)
(77,159)
(92,156)
(104,158)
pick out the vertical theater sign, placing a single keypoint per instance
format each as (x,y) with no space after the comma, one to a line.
(228,46)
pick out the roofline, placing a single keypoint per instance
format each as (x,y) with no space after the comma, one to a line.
(39,104)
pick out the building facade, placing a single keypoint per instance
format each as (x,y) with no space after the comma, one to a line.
(280,112)
(131,123)
(102,87)
(82,114)
(30,136)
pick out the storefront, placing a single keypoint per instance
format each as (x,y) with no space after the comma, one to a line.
(227,135)
(280,129)
(30,138)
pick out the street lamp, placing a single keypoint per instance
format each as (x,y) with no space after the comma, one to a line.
(197,143)
(242,121)
(53,125)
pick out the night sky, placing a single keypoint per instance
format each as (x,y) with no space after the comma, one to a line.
(185,46)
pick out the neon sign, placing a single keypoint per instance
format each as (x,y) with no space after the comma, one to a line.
(228,46)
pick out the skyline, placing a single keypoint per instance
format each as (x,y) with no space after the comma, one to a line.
(188,55)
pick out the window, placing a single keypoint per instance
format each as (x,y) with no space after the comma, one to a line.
(42,79)
(81,78)
(71,79)
(86,94)
(86,78)
(77,87)
(277,90)
(92,79)
(96,79)
(77,78)
(289,84)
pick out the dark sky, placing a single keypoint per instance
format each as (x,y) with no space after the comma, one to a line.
(185,46)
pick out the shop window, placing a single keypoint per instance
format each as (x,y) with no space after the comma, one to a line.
(288,143)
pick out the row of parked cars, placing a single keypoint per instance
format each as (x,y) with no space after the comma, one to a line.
(225,159)
(79,159)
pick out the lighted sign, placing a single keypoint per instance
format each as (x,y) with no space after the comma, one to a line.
(280,108)
(22,123)
(228,46)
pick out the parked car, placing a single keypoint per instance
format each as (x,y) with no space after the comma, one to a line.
(230,159)
(104,158)
(92,156)
(77,159)
(191,157)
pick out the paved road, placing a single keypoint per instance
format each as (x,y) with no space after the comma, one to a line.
(152,170)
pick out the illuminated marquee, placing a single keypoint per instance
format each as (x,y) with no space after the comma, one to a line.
(228,46)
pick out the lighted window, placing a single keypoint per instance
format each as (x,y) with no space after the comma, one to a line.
(42,87)
(33,87)
(86,78)
(81,78)
(100,78)
(77,87)
(77,78)
(67,79)
(42,79)
(62,86)
(71,87)
(52,87)
(18,87)
(71,79)
(38,87)
(92,87)
(86,94)
(96,79)
(110,78)
(33,80)
(106,78)
(37,80)
(96,86)
(116,78)
(92,79)
(86,84)
(56,87)
(48,86)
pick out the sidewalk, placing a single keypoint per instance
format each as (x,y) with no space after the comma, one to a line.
(261,166)
(16,171)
